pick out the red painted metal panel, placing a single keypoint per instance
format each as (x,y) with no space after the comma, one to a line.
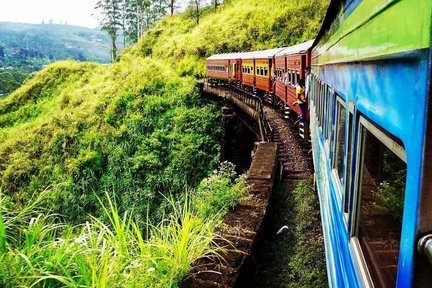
(248,80)
(263,83)
(217,74)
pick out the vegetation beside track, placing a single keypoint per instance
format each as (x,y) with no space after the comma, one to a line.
(295,257)
(38,249)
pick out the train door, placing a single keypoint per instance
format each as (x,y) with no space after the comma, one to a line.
(254,73)
(285,79)
(303,66)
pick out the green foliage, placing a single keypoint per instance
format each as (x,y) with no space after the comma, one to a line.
(37,249)
(219,192)
(391,190)
(11,80)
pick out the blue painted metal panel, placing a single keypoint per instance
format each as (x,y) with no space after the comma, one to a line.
(392,94)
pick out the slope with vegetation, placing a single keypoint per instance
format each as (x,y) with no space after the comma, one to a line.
(136,130)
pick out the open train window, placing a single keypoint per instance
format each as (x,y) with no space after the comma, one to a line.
(379,205)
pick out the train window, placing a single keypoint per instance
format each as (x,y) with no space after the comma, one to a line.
(318,113)
(329,113)
(322,104)
(348,165)
(340,140)
(379,204)
(265,71)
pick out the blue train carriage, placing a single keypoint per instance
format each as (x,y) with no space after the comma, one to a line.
(372,141)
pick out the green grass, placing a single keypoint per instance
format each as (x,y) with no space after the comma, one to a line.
(294,258)
(39,250)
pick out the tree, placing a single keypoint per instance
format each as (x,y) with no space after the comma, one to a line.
(215,4)
(196,6)
(140,15)
(172,6)
(110,21)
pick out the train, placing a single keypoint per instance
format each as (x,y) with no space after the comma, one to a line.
(370,106)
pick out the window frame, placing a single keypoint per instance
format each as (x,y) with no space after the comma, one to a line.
(387,140)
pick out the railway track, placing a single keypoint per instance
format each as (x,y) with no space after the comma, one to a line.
(293,151)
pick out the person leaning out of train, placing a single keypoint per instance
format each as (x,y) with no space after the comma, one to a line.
(301,99)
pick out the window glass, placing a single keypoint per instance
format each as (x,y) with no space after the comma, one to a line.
(348,166)
(381,201)
(330,112)
(340,143)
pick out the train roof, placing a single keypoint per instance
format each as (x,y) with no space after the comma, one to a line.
(332,12)
(269,53)
(299,48)
(227,56)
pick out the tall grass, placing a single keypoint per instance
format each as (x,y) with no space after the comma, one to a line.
(37,250)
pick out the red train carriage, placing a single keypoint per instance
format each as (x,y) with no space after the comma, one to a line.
(290,64)
(224,66)
(217,67)
(258,67)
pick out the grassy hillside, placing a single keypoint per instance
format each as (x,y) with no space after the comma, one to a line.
(136,129)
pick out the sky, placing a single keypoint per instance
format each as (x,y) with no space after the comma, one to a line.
(74,12)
